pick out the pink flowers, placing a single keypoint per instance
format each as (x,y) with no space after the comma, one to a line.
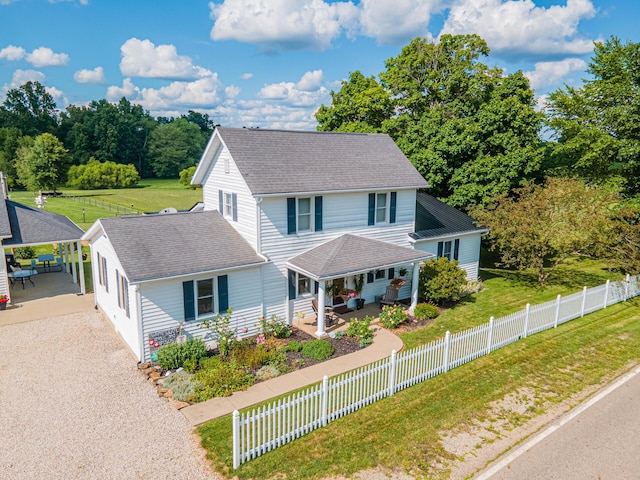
(245,330)
(260,339)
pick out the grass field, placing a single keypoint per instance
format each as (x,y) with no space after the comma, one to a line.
(406,430)
(149,196)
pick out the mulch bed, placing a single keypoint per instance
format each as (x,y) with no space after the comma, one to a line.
(343,346)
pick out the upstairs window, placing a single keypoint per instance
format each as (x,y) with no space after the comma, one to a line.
(304,214)
(228,205)
(382,208)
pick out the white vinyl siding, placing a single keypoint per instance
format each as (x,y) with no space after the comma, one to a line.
(231,182)
(468,253)
(162,305)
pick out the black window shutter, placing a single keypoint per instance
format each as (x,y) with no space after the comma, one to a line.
(119,293)
(372,209)
(318,214)
(291,215)
(440,247)
(106,274)
(234,202)
(316,286)
(292,284)
(392,207)
(370,277)
(223,293)
(456,248)
(189,300)
(391,273)
(221,201)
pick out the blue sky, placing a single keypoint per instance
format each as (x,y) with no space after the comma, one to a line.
(271,63)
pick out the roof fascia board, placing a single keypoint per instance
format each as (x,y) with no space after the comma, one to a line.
(449,235)
(204,272)
(207,158)
(325,192)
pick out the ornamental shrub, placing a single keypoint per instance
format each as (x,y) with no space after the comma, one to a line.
(360,328)
(25,253)
(292,346)
(173,355)
(392,316)
(319,349)
(267,372)
(441,281)
(425,311)
(182,384)
(217,378)
(275,327)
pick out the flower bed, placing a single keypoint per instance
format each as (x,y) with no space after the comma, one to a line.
(244,363)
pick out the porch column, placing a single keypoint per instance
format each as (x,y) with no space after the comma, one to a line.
(321,299)
(415,280)
(81,269)
(66,257)
(73,263)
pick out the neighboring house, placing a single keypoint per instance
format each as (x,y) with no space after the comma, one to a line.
(448,232)
(286,217)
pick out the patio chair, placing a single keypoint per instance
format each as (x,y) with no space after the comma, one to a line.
(329,315)
(390,296)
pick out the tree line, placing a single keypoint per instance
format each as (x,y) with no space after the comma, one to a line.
(40,146)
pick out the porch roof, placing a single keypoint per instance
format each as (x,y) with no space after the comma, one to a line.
(352,254)
(35,226)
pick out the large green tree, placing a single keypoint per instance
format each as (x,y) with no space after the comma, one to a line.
(10,141)
(43,165)
(541,226)
(470,130)
(175,146)
(598,124)
(30,108)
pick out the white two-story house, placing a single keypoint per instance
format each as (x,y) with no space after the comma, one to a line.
(287,217)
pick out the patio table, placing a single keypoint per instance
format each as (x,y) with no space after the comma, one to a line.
(46,259)
(23,275)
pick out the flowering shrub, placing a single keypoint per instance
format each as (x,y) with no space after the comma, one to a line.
(351,293)
(4,298)
(220,326)
(360,329)
(275,327)
(393,316)
(425,311)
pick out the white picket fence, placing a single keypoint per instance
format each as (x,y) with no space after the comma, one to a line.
(263,429)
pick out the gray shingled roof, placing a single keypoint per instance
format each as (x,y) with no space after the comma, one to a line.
(279,161)
(350,254)
(5,225)
(34,226)
(437,219)
(158,246)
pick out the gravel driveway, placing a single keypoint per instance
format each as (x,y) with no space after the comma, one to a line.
(73,405)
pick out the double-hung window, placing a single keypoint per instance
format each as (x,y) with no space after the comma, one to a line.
(304,214)
(382,208)
(228,205)
(123,292)
(204,297)
(449,249)
(304,284)
(103,278)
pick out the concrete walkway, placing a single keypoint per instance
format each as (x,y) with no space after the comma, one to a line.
(383,343)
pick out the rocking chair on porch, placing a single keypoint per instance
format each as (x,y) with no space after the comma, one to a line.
(329,315)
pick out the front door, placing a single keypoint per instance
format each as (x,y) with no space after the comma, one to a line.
(338,288)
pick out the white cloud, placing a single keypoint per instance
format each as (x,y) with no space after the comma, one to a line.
(283,24)
(246,76)
(397,21)
(45,57)
(81,2)
(12,53)
(546,74)
(128,89)
(141,58)
(521,26)
(95,76)
(22,76)
(307,92)
(232,91)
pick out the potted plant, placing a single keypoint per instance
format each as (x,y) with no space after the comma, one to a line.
(403,272)
(4,299)
(358,286)
(398,282)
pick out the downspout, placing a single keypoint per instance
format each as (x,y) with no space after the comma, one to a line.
(138,297)
(81,269)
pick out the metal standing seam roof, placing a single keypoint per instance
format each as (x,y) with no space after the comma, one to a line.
(349,254)
(36,226)
(281,161)
(437,219)
(151,247)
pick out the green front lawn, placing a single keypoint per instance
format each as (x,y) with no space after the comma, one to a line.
(404,431)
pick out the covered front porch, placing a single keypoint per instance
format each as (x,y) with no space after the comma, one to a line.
(346,266)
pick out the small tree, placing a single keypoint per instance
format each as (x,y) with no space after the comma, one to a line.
(540,227)
(42,165)
(186,175)
(441,280)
